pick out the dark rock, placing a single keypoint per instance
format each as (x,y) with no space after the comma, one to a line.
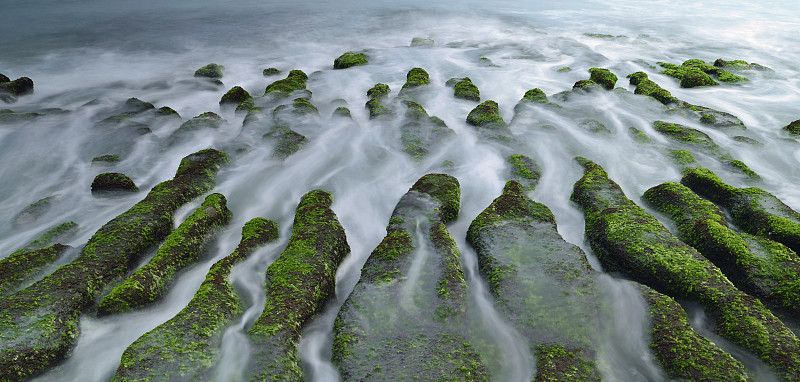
(234,97)
(793,128)
(212,71)
(113,181)
(19,87)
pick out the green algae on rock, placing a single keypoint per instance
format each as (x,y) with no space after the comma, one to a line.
(422,133)
(207,120)
(296,80)
(398,323)
(740,65)
(646,86)
(302,106)
(639,136)
(486,116)
(212,71)
(350,59)
(683,353)
(694,72)
(237,97)
(19,87)
(342,111)
(524,260)
(63,231)
(107,158)
(415,78)
(187,346)
(586,85)
(603,77)
(270,72)
(33,212)
(465,89)
(628,240)
(699,140)
(21,267)
(767,270)
(753,210)
(376,95)
(181,249)
(525,171)
(298,284)
(287,141)
(39,324)
(113,181)
(793,128)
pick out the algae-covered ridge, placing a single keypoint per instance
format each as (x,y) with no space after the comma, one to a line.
(187,346)
(752,209)
(696,72)
(39,324)
(182,248)
(298,284)
(524,259)
(399,323)
(295,80)
(22,266)
(760,267)
(628,240)
(683,353)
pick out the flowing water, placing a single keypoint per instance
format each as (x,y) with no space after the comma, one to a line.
(89,56)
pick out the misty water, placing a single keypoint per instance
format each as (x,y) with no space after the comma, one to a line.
(88,57)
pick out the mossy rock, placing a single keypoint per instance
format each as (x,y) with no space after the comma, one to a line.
(594,126)
(298,284)
(350,59)
(628,240)
(422,133)
(302,106)
(793,128)
(416,77)
(525,171)
(21,267)
(525,261)
(342,111)
(639,136)
(4,78)
(534,95)
(740,65)
(747,141)
(486,116)
(753,210)
(207,120)
(182,248)
(212,71)
(33,212)
(166,111)
(296,80)
(683,158)
(234,97)
(683,353)
(59,233)
(690,77)
(108,158)
(19,87)
(421,41)
(760,267)
(113,181)
(379,334)
(375,105)
(287,141)
(271,72)
(647,87)
(465,89)
(187,346)
(39,324)
(586,85)
(603,77)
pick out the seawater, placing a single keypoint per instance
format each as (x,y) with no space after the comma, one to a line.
(89,56)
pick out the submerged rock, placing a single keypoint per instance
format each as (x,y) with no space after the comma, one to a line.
(181,249)
(271,72)
(647,87)
(113,181)
(415,78)
(526,262)
(486,116)
(211,70)
(33,212)
(422,133)
(108,158)
(639,136)
(39,324)
(298,284)
(628,240)
(586,85)
(237,97)
(760,267)
(186,347)
(683,353)
(19,87)
(701,141)
(752,209)
(403,320)
(690,77)
(342,111)
(350,59)
(740,65)
(421,41)
(793,128)
(205,121)
(61,232)
(21,267)
(525,171)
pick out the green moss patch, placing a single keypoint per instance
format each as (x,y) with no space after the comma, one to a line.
(467,90)
(22,266)
(298,284)
(182,248)
(212,70)
(603,77)
(525,171)
(296,80)
(39,324)
(693,73)
(186,347)
(350,59)
(113,181)
(628,240)
(486,116)
(377,95)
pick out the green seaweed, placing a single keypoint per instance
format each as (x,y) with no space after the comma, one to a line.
(467,90)
(350,59)
(296,80)
(603,77)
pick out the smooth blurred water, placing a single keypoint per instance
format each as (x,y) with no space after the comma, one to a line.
(108,51)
